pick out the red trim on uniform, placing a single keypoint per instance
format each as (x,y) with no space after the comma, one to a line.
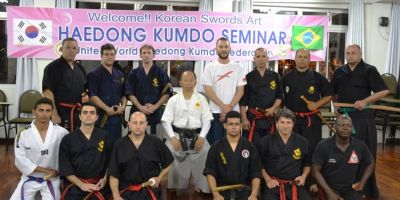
(137,188)
(307,114)
(259,115)
(71,114)
(91,181)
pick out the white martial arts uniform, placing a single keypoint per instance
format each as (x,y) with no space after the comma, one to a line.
(187,114)
(31,152)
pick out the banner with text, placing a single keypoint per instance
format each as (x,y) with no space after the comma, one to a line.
(38,32)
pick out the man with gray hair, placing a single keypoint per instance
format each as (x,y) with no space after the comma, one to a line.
(337,161)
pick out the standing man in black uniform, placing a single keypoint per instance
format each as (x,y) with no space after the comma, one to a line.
(233,160)
(303,81)
(83,157)
(286,160)
(353,83)
(261,99)
(337,161)
(64,83)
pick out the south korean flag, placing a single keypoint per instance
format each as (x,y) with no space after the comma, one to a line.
(32,32)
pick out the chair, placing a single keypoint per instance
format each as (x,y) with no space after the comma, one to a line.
(391,83)
(3,111)
(328,115)
(385,118)
(26,103)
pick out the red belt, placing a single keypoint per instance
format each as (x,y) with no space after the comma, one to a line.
(137,188)
(73,107)
(259,115)
(282,192)
(307,114)
(92,181)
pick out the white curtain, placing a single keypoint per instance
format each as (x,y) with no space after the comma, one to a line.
(205,5)
(27,70)
(244,6)
(355,31)
(393,56)
(65,3)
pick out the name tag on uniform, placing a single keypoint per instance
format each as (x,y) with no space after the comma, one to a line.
(331,160)
(45,152)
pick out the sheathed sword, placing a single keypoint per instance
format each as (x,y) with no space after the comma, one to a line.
(375,107)
(105,118)
(231,188)
(319,114)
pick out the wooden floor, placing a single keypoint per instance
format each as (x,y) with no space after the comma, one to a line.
(387,169)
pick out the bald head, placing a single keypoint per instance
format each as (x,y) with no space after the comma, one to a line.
(138,114)
(353,55)
(138,123)
(188,81)
(302,59)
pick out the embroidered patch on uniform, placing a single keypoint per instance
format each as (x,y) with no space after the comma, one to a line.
(101,146)
(353,158)
(332,160)
(221,154)
(297,154)
(245,153)
(155,82)
(44,152)
(287,89)
(197,105)
(272,85)
(311,90)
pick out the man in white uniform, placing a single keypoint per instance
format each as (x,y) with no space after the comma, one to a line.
(223,82)
(186,119)
(36,155)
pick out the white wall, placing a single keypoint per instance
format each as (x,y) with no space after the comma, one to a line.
(376,37)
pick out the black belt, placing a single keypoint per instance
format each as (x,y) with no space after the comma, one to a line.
(188,133)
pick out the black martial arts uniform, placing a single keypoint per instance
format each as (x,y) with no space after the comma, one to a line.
(233,167)
(133,166)
(110,88)
(148,88)
(313,86)
(351,86)
(67,85)
(340,168)
(285,162)
(85,158)
(260,92)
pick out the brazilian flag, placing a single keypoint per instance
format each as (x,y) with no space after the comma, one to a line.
(308,37)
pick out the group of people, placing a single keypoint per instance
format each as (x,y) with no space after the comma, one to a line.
(252,136)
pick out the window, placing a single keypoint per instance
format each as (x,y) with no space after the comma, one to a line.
(8,66)
(3,4)
(88,5)
(339,19)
